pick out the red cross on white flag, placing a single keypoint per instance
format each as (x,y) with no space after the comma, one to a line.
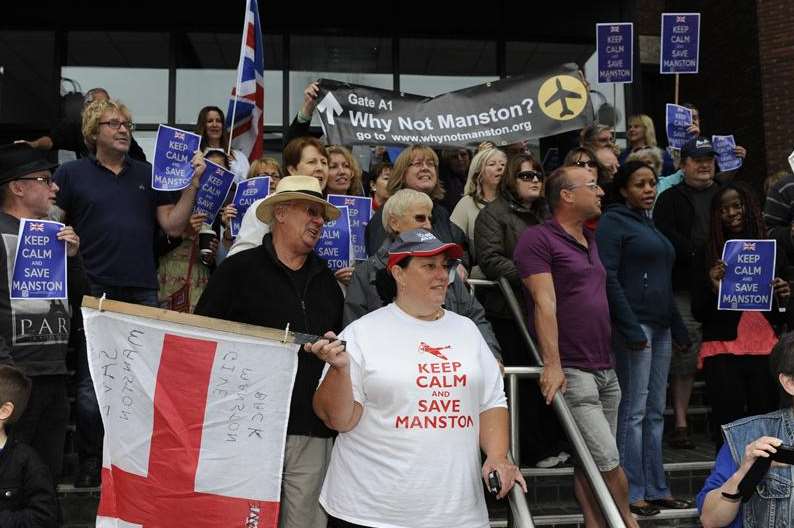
(195,423)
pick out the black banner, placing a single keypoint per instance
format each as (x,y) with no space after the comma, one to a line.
(502,112)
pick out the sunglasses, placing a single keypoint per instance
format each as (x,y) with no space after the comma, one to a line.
(530,176)
(422,218)
(589,163)
(314,211)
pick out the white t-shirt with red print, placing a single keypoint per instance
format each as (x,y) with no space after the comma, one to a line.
(413,460)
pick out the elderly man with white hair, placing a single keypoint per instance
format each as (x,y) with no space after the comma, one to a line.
(280,282)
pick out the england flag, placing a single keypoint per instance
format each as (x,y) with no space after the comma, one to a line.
(245,117)
(195,421)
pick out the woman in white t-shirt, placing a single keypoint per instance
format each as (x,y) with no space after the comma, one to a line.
(415,394)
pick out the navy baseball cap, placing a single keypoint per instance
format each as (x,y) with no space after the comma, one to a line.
(420,243)
(697,148)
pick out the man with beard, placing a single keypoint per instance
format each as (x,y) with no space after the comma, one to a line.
(34,334)
(278,283)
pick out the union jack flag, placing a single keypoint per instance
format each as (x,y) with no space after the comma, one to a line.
(36,227)
(245,118)
(748,246)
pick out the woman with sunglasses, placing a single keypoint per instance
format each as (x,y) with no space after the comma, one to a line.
(518,205)
(645,323)
(406,210)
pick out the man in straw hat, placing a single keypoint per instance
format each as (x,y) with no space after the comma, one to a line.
(284,282)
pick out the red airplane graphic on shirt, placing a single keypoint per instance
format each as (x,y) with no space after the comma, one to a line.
(435,351)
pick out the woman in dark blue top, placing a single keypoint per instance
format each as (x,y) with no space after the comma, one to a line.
(638,259)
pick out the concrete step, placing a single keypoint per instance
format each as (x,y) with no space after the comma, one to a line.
(568,516)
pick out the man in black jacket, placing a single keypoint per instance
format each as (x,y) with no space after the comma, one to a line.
(34,333)
(284,282)
(682,214)
(28,496)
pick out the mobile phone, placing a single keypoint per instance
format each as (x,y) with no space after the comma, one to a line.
(494,482)
(784,454)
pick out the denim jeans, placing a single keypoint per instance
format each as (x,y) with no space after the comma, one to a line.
(643,382)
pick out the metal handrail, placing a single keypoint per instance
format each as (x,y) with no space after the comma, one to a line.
(518,505)
(605,500)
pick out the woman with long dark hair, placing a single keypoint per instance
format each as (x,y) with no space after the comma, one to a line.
(211,126)
(736,344)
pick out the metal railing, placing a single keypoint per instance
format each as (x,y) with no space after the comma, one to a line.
(519,509)
(605,500)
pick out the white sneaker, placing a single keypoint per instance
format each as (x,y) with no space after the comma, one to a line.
(548,462)
(563,456)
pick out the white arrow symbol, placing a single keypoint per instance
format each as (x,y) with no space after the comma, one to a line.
(330,106)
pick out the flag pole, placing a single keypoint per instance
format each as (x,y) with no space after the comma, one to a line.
(239,75)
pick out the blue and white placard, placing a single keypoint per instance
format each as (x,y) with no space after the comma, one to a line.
(614,45)
(40,262)
(360,210)
(726,155)
(173,151)
(749,271)
(677,120)
(215,184)
(680,46)
(248,192)
(335,245)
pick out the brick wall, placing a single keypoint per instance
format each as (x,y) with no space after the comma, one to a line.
(776,48)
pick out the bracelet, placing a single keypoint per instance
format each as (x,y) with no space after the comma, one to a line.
(303,118)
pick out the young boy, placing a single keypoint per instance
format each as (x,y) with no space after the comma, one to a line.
(27,496)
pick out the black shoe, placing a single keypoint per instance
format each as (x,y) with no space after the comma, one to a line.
(88,473)
(645,510)
(672,504)
(679,439)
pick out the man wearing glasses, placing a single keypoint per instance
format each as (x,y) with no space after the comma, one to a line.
(278,283)
(108,198)
(569,317)
(34,333)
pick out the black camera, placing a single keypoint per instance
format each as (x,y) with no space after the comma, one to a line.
(746,488)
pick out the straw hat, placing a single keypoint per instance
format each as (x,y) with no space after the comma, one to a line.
(295,188)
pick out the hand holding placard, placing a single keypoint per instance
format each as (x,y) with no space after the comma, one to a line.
(172,168)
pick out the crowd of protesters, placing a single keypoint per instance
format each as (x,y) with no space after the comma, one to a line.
(615,257)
